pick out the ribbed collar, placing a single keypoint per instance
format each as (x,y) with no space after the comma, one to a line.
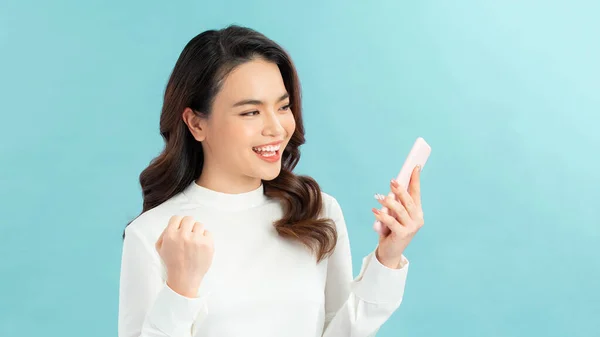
(226,201)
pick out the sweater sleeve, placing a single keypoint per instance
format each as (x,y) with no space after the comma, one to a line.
(359,307)
(148,307)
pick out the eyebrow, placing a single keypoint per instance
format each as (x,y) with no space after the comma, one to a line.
(258,102)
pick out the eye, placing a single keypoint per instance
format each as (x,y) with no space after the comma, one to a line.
(250,113)
(286,107)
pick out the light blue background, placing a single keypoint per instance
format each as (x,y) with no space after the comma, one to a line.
(506,92)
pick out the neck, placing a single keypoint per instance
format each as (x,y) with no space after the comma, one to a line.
(227,183)
(226,194)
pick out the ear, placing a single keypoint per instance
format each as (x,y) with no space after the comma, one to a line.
(195,123)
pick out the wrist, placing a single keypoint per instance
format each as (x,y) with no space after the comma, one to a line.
(390,262)
(183,289)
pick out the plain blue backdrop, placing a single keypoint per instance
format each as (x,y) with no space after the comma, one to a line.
(506,93)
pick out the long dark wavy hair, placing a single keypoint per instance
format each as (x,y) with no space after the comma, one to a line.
(194,83)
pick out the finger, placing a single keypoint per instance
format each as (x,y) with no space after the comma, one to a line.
(174,223)
(187,223)
(388,221)
(414,187)
(405,198)
(198,228)
(398,210)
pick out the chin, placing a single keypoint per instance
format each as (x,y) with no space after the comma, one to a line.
(268,175)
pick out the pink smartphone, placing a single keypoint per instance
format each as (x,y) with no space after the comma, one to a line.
(418,155)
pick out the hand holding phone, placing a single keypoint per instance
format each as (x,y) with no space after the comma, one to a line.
(418,155)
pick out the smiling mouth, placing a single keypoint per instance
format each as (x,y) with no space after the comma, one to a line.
(267,151)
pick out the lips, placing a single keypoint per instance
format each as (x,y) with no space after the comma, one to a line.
(269,152)
(270,144)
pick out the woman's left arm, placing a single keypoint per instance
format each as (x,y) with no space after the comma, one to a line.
(361,306)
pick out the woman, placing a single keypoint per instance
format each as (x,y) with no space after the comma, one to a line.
(230,242)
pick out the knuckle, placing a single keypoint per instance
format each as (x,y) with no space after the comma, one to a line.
(388,217)
(200,240)
(200,236)
(175,220)
(405,209)
(207,246)
(401,211)
(391,198)
(387,220)
(174,237)
(392,203)
(187,218)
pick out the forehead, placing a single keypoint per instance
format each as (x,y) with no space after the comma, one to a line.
(257,79)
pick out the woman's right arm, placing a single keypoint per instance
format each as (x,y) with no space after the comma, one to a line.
(148,306)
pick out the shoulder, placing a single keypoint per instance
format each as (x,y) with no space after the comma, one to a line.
(330,204)
(333,210)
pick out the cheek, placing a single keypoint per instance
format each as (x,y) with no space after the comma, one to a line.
(289,124)
(241,136)
(232,137)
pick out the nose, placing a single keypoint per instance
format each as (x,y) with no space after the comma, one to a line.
(272,125)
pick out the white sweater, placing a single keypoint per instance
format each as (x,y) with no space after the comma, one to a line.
(258,284)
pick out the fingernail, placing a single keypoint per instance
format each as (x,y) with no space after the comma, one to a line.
(375,210)
(379,196)
(419,168)
(394,183)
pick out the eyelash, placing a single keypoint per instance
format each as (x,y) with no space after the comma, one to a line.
(249,113)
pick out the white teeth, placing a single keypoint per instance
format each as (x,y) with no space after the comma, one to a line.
(270,148)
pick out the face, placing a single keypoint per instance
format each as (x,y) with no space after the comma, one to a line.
(250,124)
